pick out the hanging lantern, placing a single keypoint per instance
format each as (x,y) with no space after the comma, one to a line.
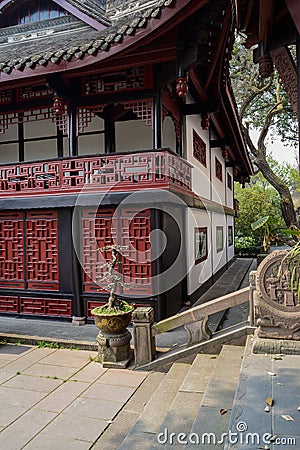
(204,122)
(181,86)
(58,106)
(225,153)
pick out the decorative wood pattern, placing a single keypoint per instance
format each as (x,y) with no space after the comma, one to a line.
(288,73)
(130,172)
(142,108)
(218,169)
(103,228)
(85,115)
(5,96)
(12,250)
(42,251)
(33,115)
(136,261)
(124,80)
(9,304)
(199,148)
(46,306)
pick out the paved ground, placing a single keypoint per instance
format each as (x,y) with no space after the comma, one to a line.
(58,398)
(271,378)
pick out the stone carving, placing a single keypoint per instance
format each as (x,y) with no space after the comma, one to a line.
(277,309)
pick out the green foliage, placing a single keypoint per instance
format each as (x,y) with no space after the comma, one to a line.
(256,201)
(245,246)
(265,93)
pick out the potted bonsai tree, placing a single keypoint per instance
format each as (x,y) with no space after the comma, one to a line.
(113,318)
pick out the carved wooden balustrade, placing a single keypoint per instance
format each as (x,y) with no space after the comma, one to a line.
(115,172)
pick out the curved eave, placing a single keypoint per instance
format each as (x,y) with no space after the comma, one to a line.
(168,18)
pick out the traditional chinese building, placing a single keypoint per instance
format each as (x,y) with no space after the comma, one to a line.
(117,119)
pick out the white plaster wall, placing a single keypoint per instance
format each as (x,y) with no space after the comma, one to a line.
(39,128)
(219,187)
(9,152)
(40,150)
(229,193)
(200,174)
(219,258)
(168,134)
(201,272)
(91,145)
(133,135)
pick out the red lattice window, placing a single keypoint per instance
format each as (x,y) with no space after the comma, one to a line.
(42,250)
(98,231)
(5,96)
(199,148)
(131,230)
(219,169)
(229,181)
(85,116)
(12,250)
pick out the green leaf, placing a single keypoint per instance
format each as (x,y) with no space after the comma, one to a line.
(259,223)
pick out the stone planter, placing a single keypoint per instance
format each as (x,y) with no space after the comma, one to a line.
(113,338)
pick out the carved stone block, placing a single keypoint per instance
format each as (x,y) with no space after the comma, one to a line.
(277,308)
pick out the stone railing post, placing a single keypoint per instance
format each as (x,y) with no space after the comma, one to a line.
(144,342)
(252,280)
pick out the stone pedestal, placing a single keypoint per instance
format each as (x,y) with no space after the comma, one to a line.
(114,349)
(144,342)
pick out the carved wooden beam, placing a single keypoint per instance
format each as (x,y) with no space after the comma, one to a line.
(287,71)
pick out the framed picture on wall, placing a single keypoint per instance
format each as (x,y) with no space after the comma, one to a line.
(230,235)
(219,238)
(200,244)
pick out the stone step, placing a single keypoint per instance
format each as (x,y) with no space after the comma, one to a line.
(209,428)
(180,417)
(113,436)
(147,425)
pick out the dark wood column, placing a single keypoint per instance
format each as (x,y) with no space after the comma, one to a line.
(60,143)
(157,122)
(21,138)
(73,142)
(109,131)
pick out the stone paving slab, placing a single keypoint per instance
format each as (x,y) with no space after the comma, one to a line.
(263,376)
(58,398)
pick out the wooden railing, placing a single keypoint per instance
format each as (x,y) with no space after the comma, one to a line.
(195,321)
(159,169)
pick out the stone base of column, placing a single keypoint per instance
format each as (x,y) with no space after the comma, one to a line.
(275,346)
(114,349)
(78,321)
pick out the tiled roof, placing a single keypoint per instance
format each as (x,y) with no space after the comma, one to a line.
(77,41)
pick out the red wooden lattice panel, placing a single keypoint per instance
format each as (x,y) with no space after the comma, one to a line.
(8,304)
(136,261)
(199,148)
(11,250)
(46,306)
(130,230)
(98,230)
(218,169)
(42,251)
(91,305)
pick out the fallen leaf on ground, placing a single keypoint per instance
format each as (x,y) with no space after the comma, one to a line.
(277,358)
(223,411)
(272,374)
(269,401)
(280,384)
(267,408)
(298,408)
(287,417)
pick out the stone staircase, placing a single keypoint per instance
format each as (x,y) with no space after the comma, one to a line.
(188,401)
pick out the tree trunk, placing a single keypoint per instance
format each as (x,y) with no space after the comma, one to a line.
(286,201)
